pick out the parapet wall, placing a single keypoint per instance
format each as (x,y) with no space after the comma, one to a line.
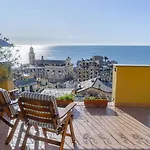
(131,85)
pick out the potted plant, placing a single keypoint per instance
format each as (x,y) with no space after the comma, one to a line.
(92,101)
(64,100)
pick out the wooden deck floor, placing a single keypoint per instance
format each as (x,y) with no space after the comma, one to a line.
(96,128)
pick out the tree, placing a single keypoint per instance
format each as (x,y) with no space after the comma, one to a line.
(105,58)
(8,58)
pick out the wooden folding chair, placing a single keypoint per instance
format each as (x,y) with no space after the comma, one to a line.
(9,106)
(42,111)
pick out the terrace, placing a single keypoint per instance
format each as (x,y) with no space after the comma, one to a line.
(111,128)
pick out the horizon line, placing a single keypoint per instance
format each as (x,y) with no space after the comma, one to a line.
(84,44)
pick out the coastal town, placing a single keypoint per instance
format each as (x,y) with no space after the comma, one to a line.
(61,76)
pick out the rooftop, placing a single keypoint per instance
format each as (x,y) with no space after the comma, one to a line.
(57,92)
(95,83)
(57,62)
(25,82)
(97,128)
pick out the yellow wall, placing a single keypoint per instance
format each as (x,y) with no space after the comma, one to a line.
(114,83)
(131,85)
(6,84)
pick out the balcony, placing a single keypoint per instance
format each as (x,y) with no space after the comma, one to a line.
(113,128)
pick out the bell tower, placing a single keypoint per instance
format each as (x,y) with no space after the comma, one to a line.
(31,56)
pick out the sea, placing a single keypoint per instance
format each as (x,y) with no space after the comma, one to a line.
(121,54)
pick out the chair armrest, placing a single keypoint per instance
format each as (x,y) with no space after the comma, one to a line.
(14,102)
(12,93)
(14,90)
(66,110)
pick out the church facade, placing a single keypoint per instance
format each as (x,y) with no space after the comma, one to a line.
(52,70)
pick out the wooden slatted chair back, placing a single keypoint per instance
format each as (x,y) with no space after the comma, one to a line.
(39,109)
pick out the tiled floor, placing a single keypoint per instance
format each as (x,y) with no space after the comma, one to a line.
(96,128)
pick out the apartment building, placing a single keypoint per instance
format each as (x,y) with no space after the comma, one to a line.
(96,66)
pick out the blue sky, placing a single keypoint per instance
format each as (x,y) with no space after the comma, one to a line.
(123,22)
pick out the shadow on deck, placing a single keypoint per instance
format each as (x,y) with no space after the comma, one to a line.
(140,114)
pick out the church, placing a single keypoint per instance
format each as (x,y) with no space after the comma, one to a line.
(52,70)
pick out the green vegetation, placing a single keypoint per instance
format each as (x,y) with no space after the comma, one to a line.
(9,57)
(66,97)
(94,98)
